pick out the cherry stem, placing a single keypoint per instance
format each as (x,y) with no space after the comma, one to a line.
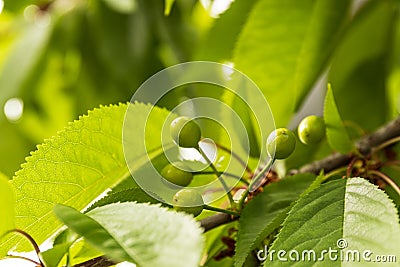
(30,239)
(237,157)
(218,174)
(387,179)
(220,210)
(27,236)
(255,182)
(242,179)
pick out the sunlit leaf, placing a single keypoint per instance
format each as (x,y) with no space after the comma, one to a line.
(337,135)
(168,6)
(75,167)
(144,234)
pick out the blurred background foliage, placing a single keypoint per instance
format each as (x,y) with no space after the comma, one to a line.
(60,58)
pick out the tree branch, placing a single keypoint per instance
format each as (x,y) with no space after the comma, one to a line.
(97,262)
(333,161)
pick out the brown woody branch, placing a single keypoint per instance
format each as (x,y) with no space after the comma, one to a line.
(97,262)
(333,161)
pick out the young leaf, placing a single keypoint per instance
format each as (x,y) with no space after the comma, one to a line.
(350,214)
(266,212)
(147,235)
(52,257)
(336,133)
(61,245)
(75,167)
(7,200)
(283,66)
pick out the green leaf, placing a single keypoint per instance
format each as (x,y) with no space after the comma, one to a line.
(360,66)
(7,200)
(92,231)
(336,133)
(128,195)
(353,210)
(76,166)
(61,246)
(213,239)
(147,235)
(266,212)
(52,257)
(297,39)
(65,236)
(168,6)
(81,251)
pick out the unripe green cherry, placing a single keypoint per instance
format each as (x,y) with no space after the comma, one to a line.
(189,201)
(311,130)
(281,142)
(175,174)
(185,132)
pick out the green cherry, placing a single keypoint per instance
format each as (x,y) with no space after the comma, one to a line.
(185,132)
(175,174)
(311,130)
(281,143)
(189,201)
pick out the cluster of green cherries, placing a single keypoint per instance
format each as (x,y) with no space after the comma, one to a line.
(187,133)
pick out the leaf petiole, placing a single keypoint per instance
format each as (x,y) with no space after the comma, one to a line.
(256,182)
(218,174)
(221,210)
(242,179)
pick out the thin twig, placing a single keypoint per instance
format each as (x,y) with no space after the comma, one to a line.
(218,174)
(97,262)
(387,143)
(23,258)
(387,179)
(207,207)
